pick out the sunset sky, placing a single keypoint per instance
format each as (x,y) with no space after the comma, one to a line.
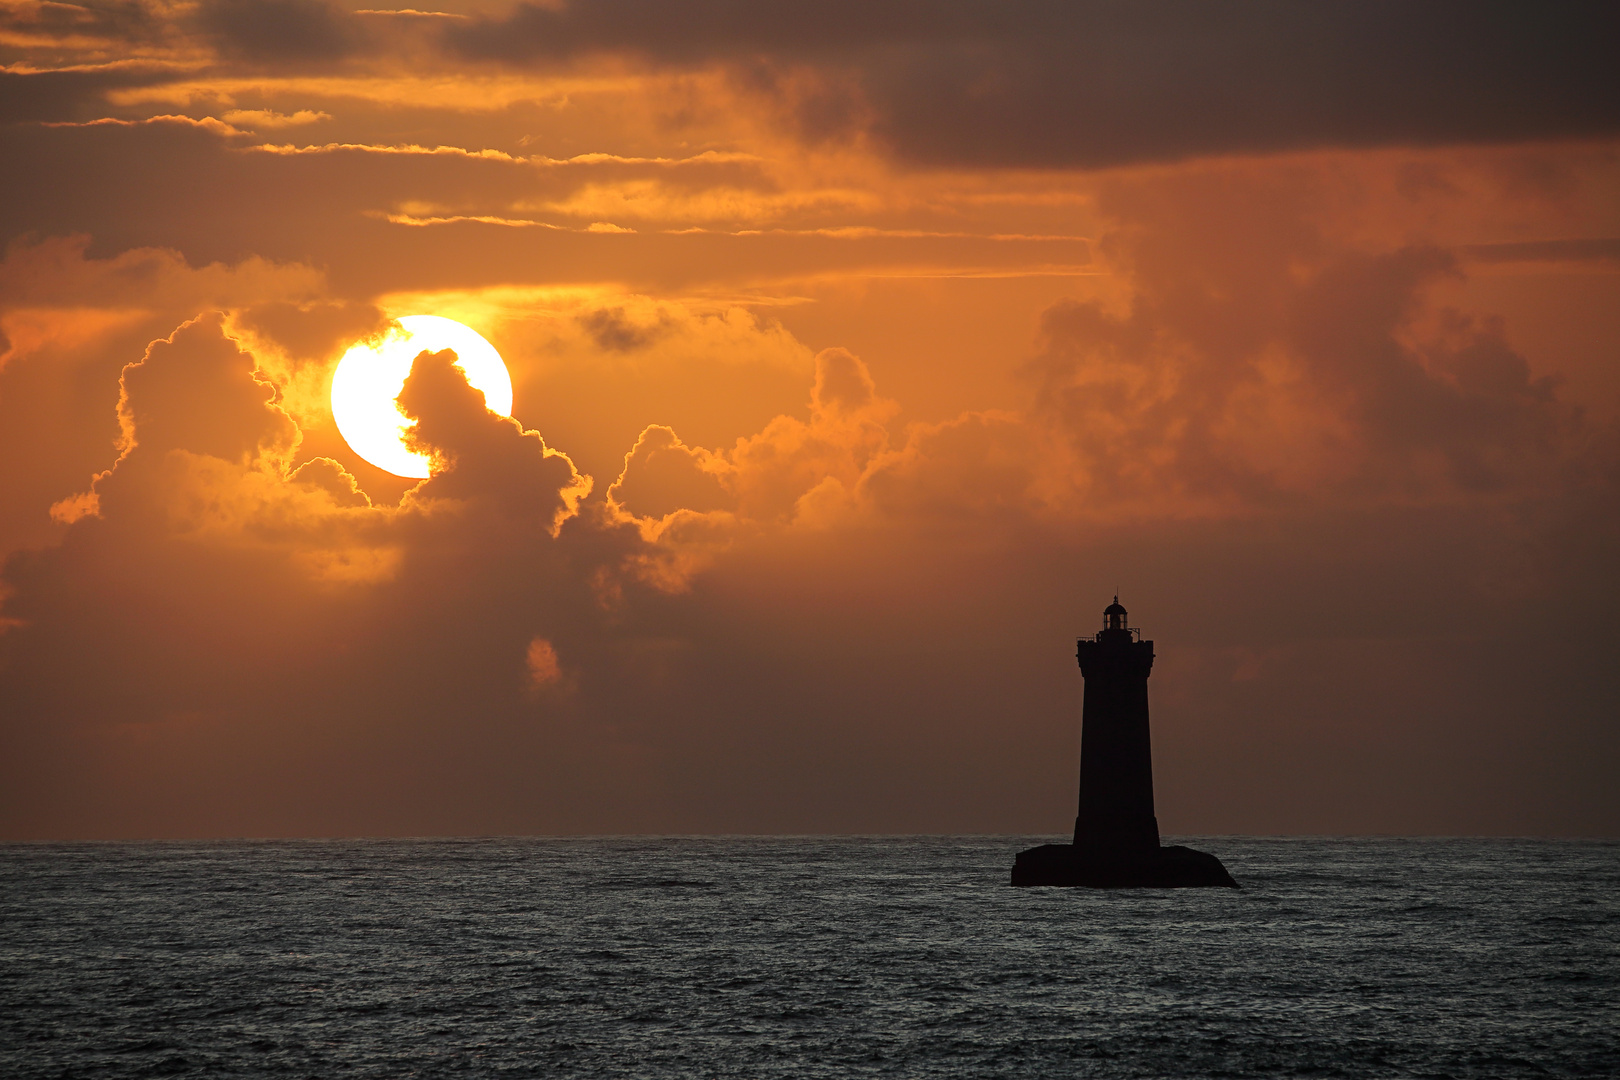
(860,352)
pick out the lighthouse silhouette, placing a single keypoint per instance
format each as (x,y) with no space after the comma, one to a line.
(1116,835)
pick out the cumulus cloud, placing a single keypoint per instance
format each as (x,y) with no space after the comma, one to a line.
(980,466)
(663,476)
(205,449)
(1356,387)
(197,391)
(207,455)
(768,477)
(1254,371)
(464,661)
(907,363)
(1317,374)
(71,323)
(480,455)
(205,510)
(1302,368)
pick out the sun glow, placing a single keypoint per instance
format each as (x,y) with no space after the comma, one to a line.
(371,375)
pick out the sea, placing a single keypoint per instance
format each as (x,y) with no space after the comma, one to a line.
(847,956)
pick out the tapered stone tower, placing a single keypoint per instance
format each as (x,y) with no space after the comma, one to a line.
(1116,755)
(1116,835)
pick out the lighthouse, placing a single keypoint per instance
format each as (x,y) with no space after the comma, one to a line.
(1116,834)
(1116,755)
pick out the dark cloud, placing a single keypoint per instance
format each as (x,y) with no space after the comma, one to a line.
(281,31)
(227,649)
(455,586)
(611,330)
(173,182)
(72,56)
(1042,83)
(1376,394)
(1455,390)
(109,20)
(482,456)
(73,95)
(1373,537)
(1256,359)
(200,189)
(1113,83)
(707,31)
(312,330)
(1105,83)
(1599,249)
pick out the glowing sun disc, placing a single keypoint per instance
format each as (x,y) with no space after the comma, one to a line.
(370,376)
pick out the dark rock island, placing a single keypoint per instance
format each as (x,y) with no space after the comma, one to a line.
(1116,835)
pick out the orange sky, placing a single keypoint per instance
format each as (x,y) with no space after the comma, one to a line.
(859,351)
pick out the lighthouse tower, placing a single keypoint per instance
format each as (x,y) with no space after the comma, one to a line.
(1116,756)
(1116,836)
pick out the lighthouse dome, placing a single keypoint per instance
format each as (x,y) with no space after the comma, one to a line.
(1114,616)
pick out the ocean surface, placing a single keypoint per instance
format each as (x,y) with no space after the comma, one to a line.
(803,957)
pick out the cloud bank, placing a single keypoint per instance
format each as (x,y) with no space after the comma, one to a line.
(859,354)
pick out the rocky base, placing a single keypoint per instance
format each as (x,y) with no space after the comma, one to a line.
(1163,868)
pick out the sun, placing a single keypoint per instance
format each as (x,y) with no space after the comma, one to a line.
(371,375)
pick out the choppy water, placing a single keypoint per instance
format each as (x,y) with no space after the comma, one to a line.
(836,957)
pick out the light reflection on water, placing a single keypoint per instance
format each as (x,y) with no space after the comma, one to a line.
(802,957)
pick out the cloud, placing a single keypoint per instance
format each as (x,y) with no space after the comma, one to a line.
(301,31)
(39,21)
(544,668)
(1259,359)
(662,476)
(70,191)
(1096,84)
(593,365)
(271,654)
(179,182)
(764,478)
(1599,249)
(259,119)
(71,324)
(482,456)
(196,391)
(29,330)
(1341,383)
(1243,362)
(204,448)
(205,510)
(981,466)
(909,362)
(72,94)
(968,83)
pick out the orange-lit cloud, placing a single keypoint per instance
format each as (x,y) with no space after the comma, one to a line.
(859,353)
